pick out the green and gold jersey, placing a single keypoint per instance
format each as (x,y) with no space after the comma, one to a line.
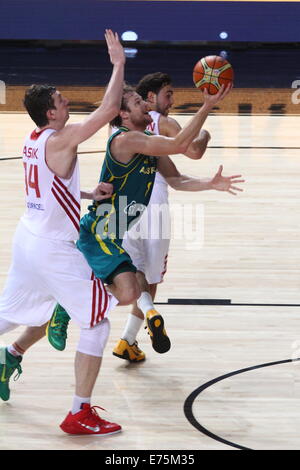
(132,182)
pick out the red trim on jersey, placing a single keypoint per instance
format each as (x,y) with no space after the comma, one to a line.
(67,192)
(35,135)
(67,201)
(65,208)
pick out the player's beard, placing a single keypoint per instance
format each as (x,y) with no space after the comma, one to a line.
(142,121)
(162,111)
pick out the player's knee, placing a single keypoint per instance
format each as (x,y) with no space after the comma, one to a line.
(92,341)
(130,294)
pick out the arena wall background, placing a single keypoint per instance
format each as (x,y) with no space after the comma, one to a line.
(152,20)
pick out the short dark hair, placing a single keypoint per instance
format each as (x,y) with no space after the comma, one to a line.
(117,121)
(152,82)
(37,101)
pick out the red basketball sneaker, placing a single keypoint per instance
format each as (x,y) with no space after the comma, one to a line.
(87,421)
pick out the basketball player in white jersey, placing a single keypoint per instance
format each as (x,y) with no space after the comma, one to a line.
(46,265)
(150,255)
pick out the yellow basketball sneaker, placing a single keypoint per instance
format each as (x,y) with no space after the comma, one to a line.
(158,335)
(130,352)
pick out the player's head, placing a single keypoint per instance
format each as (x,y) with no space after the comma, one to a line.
(133,111)
(156,88)
(44,104)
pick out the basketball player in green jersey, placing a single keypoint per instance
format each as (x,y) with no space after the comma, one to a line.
(149,254)
(129,165)
(103,228)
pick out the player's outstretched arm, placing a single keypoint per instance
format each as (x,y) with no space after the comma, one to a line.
(73,134)
(226,183)
(170,128)
(192,129)
(188,183)
(111,101)
(160,146)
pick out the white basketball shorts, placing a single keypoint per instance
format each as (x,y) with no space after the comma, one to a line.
(148,243)
(44,272)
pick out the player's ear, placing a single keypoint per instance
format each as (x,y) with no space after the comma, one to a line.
(151,97)
(124,115)
(50,114)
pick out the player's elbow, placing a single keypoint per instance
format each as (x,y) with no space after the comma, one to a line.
(182,148)
(194,155)
(198,148)
(174,182)
(112,112)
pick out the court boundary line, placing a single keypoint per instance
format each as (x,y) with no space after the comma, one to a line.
(88,152)
(223,302)
(240,147)
(188,404)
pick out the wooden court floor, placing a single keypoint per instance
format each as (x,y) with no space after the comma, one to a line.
(247,257)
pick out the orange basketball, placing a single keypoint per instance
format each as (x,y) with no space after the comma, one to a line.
(212,72)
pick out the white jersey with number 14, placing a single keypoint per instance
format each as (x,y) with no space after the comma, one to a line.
(52,203)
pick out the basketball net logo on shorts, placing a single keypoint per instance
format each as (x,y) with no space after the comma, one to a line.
(133,208)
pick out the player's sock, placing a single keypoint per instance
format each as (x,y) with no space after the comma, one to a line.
(15,350)
(145,302)
(78,402)
(132,328)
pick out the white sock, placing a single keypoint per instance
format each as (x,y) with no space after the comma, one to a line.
(132,328)
(145,302)
(15,350)
(77,402)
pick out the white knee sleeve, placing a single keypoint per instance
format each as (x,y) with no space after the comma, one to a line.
(6,326)
(92,341)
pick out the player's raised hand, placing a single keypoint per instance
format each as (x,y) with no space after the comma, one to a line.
(115,49)
(226,183)
(211,100)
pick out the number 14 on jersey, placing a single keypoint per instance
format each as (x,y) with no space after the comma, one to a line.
(32,178)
